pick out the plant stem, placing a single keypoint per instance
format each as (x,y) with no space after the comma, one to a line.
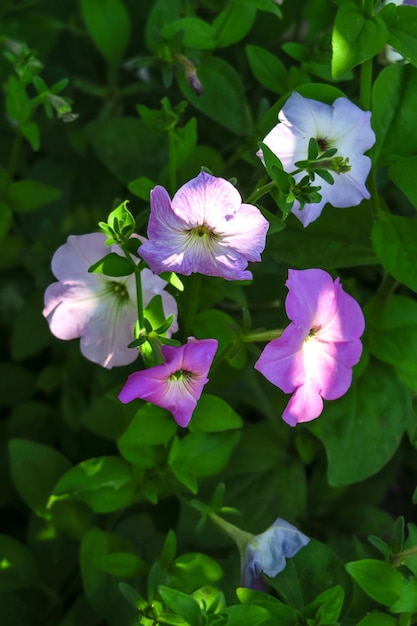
(139,298)
(261,191)
(262,335)
(193,298)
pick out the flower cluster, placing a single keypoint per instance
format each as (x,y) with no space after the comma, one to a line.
(207,229)
(342,126)
(314,356)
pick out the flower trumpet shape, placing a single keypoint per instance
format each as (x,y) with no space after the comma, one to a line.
(314,356)
(177,384)
(267,553)
(204,229)
(342,126)
(101,310)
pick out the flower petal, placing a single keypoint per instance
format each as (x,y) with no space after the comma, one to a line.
(281,361)
(304,405)
(311,300)
(206,200)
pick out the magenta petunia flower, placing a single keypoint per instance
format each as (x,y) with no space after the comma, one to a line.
(204,229)
(267,553)
(343,126)
(314,356)
(99,309)
(177,384)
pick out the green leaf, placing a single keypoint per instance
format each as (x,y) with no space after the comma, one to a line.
(283,614)
(401,22)
(18,568)
(182,604)
(35,470)
(340,238)
(104,483)
(17,102)
(356,38)
(107,416)
(393,238)
(108,24)
(113,265)
(142,187)
(29,195)
(121,564)
(163,12)
(150,426)
(204,454)
(223,98)
(407,602)
(213,414)
(378,619)
(327,606)
(393,337)
(30,333)
(119,143)
(268,70)
(361,431)
(402,174)
(247,614)
(192,570)
(233,23)
(269,6)
(31,132)
(312,571)
(379,580)
(196,33)
(394,105)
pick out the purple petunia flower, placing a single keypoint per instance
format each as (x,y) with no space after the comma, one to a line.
(343,126)
(314,356)
(177,384)
(101,310)
(204,229)
(267,553)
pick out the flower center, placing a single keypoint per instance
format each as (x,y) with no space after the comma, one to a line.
(203,231)
(118,290)
(323,144)
(181,375)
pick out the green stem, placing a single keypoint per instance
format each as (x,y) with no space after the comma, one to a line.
(139,298)
(241,537)
(193,299)
(263,335)
(261,191)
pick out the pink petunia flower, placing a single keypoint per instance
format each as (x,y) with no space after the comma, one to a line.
(314,356)
(204,229)
(177,384)
(343,126)
(101,310)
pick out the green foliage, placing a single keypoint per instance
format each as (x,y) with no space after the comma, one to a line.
(107,509)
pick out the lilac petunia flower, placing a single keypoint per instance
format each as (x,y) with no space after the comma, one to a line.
(101,310)
(204,229)
(314,356)
(177,384)
(343,126)
(267,553)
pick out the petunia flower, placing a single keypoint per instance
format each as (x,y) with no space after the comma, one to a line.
(267,553)
(342,126)
(177,384)
(204,229)
(100,310)
(314,356)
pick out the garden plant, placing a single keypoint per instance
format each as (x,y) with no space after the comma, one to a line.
(208,308)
